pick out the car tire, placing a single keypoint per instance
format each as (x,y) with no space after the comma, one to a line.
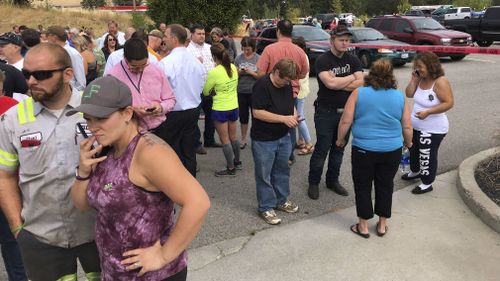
(484,43)
(457,57)
(365,59)
(399,64)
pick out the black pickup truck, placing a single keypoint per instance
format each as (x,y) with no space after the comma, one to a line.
(484,30)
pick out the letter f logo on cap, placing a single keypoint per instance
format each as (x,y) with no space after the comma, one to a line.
(93,89)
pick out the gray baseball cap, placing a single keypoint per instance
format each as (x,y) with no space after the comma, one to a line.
(104,96)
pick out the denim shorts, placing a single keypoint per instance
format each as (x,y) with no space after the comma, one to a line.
(224,116)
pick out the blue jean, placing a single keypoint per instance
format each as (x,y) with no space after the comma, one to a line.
(272,174)
(303,129)
(10,252)
(326,121)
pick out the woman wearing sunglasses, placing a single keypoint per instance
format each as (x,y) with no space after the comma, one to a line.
(110,45)
(163,50)
(133,189)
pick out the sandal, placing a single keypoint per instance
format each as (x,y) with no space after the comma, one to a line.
(243,145)
(300,146)
(355,230)
(308,149)
(380,234)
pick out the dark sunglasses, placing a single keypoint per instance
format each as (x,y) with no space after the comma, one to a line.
(111,39)
(40,74)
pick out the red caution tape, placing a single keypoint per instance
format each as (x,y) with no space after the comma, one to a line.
(437,49)
(433,48)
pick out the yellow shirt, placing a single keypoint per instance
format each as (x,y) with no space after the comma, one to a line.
(226,97)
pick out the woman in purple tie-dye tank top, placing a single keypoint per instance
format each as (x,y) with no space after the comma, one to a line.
(133,188)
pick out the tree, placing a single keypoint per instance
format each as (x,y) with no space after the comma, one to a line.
(222,13)
(22,3)
(404,6)
(125,2)
(336,6)
(354,6)
(475,4)
(92,4)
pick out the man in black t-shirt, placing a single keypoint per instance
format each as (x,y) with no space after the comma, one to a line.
(273,115)
(339,73)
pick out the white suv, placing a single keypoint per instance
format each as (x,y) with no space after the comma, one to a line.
(458,13)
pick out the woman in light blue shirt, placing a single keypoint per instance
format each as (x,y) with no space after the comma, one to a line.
(380,121)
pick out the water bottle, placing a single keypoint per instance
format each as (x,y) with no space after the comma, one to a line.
(404,165)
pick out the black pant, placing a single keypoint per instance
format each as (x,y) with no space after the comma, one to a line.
(424,154)
(179,276)
(209,133)
(44,262)
(180,134)
(245,107)
(10,252)
(378,168)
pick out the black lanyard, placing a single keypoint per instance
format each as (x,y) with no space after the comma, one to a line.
(138,87)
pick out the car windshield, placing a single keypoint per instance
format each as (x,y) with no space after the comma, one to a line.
(427,24)
(441,10)
(367,34)
(311,34)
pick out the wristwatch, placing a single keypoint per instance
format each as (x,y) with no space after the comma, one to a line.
(81,178)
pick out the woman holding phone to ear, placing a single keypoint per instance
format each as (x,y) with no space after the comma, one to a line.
(133,189)
(432,95)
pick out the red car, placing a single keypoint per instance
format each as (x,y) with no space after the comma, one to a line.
(420,31)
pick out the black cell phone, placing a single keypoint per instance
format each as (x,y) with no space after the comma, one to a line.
(151,109)
(417,72)
(104,150)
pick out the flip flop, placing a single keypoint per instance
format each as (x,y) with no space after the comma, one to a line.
(243,145)
(357,232)
(308,149)
(380,234)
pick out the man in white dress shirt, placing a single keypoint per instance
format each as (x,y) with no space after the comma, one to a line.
(186,75)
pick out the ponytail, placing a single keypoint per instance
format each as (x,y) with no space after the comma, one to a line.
(220,53)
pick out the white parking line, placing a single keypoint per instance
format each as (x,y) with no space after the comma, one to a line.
(480,60)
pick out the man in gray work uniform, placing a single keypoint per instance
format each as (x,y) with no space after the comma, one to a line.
(42,143)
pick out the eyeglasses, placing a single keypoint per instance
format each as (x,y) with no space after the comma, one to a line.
(137,67)
(40,75)
(111,39)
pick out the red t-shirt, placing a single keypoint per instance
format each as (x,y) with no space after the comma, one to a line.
(284,48)
(6,103)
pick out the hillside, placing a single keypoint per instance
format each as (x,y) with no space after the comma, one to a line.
(33,17)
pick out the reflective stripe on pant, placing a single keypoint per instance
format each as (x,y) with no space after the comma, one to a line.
(44,262)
